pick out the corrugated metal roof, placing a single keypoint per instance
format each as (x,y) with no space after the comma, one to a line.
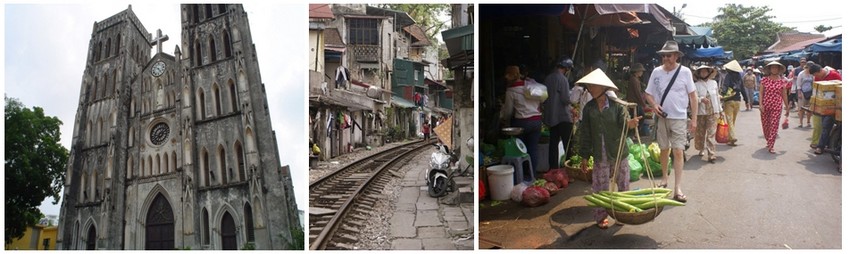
(401,102)
(788,41)
(418,34)
(321,11)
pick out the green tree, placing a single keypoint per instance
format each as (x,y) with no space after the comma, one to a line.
(443,53)
(822,28)
(297,235)
(426,15)
(745,30)
(35,163)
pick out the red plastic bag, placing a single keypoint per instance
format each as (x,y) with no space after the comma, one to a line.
(722,135)
(482,191)
(558,176)
(535,196)
(552,188)
(785,124)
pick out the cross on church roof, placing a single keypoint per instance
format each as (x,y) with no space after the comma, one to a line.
(158,40)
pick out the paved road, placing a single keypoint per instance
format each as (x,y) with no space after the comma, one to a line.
(748,199)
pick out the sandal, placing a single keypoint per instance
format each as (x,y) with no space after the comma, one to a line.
(813,146)
(772,151)
(711,159)
(662,185)
(681,198)
(604,224)
(818,151)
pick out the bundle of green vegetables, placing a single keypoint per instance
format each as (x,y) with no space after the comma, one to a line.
(632,201)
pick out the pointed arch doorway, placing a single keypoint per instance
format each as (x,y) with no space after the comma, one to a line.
(91,239)
(159,225)
(228,232)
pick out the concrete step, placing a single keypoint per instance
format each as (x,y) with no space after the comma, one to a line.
(461,195)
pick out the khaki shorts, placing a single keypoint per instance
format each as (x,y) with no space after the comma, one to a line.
(672,133)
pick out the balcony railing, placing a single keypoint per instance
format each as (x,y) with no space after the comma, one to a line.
(366,53)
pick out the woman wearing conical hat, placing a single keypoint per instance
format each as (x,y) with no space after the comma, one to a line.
(773,100)
(599,135)
(732,88)
(708,112)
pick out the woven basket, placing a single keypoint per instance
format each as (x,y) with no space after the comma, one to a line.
(635,218)
(577,174)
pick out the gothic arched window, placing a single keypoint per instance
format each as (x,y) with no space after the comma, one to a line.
(212,49)
(226,40)
(233,104)
(217,100)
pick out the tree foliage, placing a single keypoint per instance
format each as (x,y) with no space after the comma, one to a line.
(35,163)
(297,235)
(426,15)
(745,30)
(822,28)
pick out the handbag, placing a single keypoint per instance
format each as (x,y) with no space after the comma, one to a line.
(722,135)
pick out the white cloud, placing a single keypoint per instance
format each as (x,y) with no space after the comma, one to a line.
(45,54)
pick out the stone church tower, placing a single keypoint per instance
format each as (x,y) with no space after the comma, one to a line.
(175,151)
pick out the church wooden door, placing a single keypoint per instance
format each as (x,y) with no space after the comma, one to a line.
(228,232)
(159,226)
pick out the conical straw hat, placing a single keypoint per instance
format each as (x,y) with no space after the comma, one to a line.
(733,66)
(597,78)
(775,63)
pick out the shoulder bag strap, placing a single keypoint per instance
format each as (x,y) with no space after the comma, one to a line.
(666,91)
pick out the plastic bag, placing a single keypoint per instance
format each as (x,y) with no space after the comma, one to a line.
(654,151)
(635,169)
(722,135)
(558,177)
(552,188)
(516,193)
(535,91)
(635,149)
(535,196)
(482,190)
(655,168)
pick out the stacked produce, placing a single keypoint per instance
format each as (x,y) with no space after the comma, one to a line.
(574,168)
(632,201)
(575,162)
(652,154)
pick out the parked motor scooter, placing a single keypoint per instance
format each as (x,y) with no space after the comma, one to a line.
(437,175)
(835,143)
(443,167)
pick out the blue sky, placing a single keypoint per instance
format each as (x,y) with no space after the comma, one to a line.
(45,52)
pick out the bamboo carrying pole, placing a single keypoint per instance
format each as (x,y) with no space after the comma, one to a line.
(613,178)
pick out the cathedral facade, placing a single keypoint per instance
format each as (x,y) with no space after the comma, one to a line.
(175,151)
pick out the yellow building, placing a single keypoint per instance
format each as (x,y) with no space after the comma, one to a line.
(38,237)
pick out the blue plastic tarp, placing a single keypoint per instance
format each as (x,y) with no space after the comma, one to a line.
(833,45)
(713,52)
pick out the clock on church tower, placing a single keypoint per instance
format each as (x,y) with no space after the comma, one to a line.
(158,68)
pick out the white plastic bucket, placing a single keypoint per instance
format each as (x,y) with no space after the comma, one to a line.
(501,179)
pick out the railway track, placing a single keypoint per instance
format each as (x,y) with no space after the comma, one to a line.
(340,201)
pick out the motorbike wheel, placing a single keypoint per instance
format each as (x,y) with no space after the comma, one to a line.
(835,144)
(451,186)
(439,188)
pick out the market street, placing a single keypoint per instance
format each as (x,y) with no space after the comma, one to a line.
(748,199)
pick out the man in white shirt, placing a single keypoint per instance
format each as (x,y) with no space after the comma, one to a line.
(673,123)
